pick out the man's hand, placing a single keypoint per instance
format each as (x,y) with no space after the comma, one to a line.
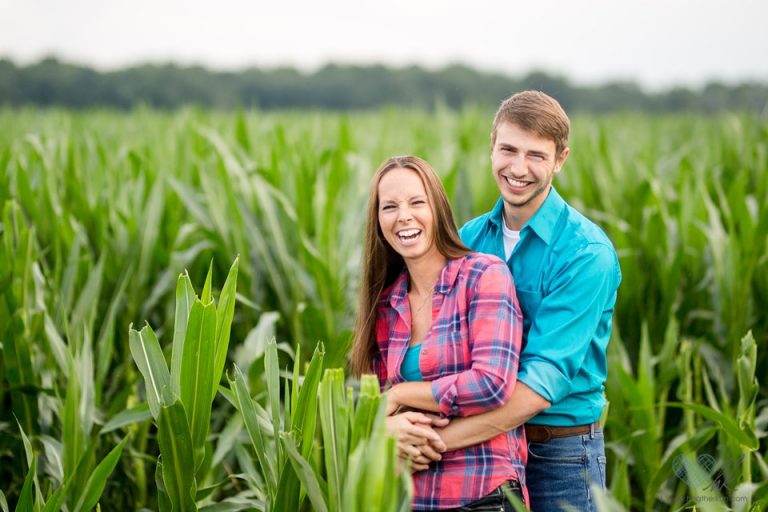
(413,431)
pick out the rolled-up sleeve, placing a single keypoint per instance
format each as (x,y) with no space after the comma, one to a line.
(495,333)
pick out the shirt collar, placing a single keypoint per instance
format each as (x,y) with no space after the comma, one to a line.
(398,291)
(543,221)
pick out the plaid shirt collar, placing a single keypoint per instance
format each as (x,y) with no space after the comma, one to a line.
(397,293)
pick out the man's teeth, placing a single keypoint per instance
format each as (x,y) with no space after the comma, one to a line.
(516,183)
(408,233)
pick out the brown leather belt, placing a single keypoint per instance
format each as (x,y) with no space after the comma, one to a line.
(543,433)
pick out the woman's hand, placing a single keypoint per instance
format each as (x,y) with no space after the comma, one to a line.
(392,404)
(414,432)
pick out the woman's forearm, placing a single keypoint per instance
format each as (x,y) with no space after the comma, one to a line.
(523,404)
(416,395)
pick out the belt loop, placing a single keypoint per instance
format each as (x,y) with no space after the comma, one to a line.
(592,431)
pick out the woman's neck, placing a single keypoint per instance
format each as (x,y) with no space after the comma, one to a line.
(424,272)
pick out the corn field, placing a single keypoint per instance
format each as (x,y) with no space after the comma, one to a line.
(178,292)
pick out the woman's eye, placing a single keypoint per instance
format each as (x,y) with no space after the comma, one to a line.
(387,207)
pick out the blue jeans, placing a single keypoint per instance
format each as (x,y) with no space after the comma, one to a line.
(560,472)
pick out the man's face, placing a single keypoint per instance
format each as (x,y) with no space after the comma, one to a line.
(523,165)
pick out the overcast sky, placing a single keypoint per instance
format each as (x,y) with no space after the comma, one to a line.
(656,42)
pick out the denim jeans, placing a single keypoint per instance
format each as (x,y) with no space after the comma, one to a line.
(561,470)
(495,501)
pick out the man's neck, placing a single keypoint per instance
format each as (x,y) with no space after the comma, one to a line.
(515,217)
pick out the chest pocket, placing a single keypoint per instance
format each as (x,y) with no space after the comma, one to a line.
(529,301)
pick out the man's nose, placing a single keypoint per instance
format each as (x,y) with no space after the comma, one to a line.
(517,166)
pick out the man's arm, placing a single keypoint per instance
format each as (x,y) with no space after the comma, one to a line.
(523,404)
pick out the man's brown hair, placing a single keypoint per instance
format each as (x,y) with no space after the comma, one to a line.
(535,112)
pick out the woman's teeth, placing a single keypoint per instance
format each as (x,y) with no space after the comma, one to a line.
(409,234)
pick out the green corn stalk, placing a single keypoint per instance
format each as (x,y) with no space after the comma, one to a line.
(183,419)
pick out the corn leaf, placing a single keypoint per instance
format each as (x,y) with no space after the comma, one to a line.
(136,414)
(176,448)
(185,298)
(148,356)
(225,312)
(98,479)
(306,474)
(196,373)
(247,408)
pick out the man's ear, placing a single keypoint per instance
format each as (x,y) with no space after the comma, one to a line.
(561,159)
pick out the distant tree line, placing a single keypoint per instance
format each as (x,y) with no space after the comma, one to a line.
(52,82)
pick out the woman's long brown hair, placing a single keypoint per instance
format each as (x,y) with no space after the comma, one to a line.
(382,265)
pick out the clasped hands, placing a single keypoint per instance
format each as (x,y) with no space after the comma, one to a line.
(417,433)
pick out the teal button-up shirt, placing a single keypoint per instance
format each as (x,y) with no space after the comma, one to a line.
(566,274)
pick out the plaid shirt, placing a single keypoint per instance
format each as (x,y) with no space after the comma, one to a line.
(471,357)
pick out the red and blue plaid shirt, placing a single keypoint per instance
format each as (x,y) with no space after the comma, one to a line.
(470,355)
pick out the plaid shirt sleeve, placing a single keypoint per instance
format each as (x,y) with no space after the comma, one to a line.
(495,334)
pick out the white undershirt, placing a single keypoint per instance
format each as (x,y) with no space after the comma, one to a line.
(510,239)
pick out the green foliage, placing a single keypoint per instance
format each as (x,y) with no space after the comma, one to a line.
(102,212)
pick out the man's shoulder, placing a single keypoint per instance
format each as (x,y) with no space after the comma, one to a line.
(580,232)
(474,226)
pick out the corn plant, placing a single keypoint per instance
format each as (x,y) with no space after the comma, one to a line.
(299,468)
(180,398)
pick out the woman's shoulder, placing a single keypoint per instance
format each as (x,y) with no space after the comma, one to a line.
(476,267)
(482,261)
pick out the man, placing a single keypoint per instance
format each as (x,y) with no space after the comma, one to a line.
(566,274)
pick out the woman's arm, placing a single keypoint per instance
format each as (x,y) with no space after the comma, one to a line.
(523,404)
(494,332)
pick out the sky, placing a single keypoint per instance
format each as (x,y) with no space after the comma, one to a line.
(658,43)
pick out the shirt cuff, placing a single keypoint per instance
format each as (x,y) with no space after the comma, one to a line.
(545,379)
(445,393)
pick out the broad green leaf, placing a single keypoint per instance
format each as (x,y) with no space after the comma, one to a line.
(196,373)
(334,423)
(247,408)
(205,296)
(178,457)
(74,436)
(224,314)
(85,309)
(26,498)
(305,413)
(272,372)
(306,474)
(366,409)
(148,356)
(163,500)
(727,423)
(55,502)
(98,479)
(185,297)
(136,414)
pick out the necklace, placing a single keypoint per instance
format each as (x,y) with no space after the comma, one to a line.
(424,302)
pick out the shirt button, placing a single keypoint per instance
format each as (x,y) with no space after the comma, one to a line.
(455,407)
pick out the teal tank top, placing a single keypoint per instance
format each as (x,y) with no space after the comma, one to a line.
(410,367)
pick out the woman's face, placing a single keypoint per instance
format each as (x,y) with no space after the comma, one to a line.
(405,215)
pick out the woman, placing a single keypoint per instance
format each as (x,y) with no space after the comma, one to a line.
(441,326)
